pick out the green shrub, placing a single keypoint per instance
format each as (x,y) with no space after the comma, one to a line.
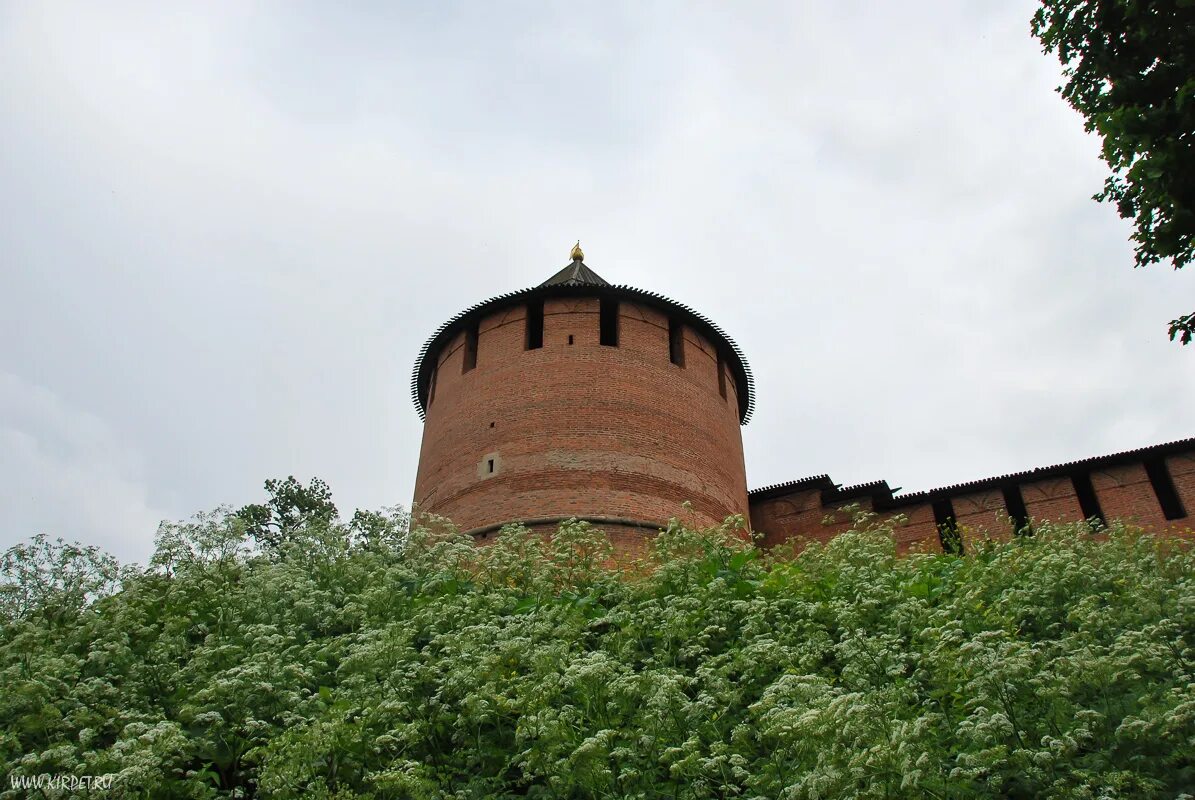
(419,666)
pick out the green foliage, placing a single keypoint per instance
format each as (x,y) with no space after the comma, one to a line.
(53,579)
(1130,71)
(291,506)
(347,665)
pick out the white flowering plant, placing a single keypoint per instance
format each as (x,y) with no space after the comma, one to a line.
(406,662)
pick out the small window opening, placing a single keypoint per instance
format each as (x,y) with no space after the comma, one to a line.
(1088,502)
(608,322)
(1163,484)
(570,338)
(948,533)
(534,338)
(470,348)
(431,389)
(490,463)
(491,424)
(676,342)
(1017,512)
(721,376)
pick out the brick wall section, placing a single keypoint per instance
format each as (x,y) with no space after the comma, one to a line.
(1052,499)
(981,514)
(920,533)
(1124,492)
(580,429)
(1182,471)
(802,515)
(796,513)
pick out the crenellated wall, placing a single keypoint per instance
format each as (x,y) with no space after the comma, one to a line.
(1153,487)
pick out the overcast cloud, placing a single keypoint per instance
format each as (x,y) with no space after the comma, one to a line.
(227,228)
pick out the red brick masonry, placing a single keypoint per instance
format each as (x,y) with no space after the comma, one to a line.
(530,416)
(577,428)
(1130,486)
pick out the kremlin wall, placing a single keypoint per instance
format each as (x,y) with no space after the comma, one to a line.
(578,398)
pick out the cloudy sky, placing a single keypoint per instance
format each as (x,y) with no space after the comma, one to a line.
(227,228)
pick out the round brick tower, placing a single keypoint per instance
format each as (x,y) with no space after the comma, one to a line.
(576,398)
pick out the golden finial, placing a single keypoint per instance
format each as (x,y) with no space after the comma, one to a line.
(577,255)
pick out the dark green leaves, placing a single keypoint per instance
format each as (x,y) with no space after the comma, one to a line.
(1129,67)
(291,505)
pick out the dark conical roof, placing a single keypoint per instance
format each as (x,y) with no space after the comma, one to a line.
(576,274)
(578,280)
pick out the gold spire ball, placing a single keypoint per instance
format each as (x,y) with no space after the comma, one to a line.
(577,255)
